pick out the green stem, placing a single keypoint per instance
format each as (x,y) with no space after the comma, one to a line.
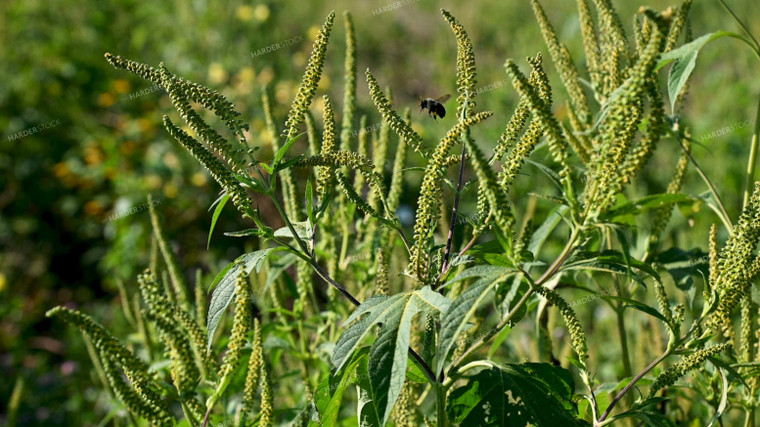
(188,415)
(750,180)
(722,213)
(440,396)
(548,274)
(629,385)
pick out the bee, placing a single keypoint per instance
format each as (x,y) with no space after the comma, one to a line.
(434,106)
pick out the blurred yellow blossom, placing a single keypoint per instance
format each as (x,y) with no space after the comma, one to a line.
(93,208)
(106,99)
(246,74)
(324,83)
(127,147)
(171,160)
(3,282)
(120,86)
(299,60)
(265,76)
(216,73)
(244,13)
(313,32)
(283,92)
(93,156)
(170,190)
(153,181)
(146,124)
(261,12)
(199,179)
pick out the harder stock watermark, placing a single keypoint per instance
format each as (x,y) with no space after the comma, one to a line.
(33,130)
(277,46)
(136,209)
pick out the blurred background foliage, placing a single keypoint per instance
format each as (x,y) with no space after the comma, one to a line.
(59,186)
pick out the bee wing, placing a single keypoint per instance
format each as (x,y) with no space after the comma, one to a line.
(444,98)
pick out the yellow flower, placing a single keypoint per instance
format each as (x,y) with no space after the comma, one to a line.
(106,99)
(265,76)
(313,32)
(171,160)
(153,181)
(3,282)
(246,75)
(217,74)
(244,13)
(120,86)
(93,208)
(199,179)
(170,190)
(261,12)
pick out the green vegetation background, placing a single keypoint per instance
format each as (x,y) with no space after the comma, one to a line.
(59,186)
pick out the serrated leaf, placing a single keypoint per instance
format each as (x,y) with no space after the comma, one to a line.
(455,319)
(636,305)
(516,395)
(329,393)
(366,410)
(685,58)
(542,232)
(281,152)
(388,356)
(244,233)
(610,261)
(303,229)
(215,217)
(645,204)
(553,176)
(224,285)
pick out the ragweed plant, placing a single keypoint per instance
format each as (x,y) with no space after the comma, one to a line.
(418,295)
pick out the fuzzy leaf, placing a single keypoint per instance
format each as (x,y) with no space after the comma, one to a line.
(222,201)
(645,204)
(224,293)
(455,319)
(388,356)
(685,58)
(543,231)
(329,393)
(516,395)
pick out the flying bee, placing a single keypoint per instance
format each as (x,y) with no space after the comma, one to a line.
(434,106)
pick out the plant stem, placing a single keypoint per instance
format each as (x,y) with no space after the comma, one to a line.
(544,277)
(722,213)
(326,277)
(750,180)
(630,384)
(440,397)
(454,211)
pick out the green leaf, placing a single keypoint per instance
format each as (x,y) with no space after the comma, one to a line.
(217,212)
(645,204)
(685,58)
(303,229)
(636,305)
(455,319)
(225,291)
(543,232)
(516,395)
(553,176)
(609,261)
(281,152)
(388,357)
(244,233)
(329,393)
(366,410)
(310,202)
(683,266)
